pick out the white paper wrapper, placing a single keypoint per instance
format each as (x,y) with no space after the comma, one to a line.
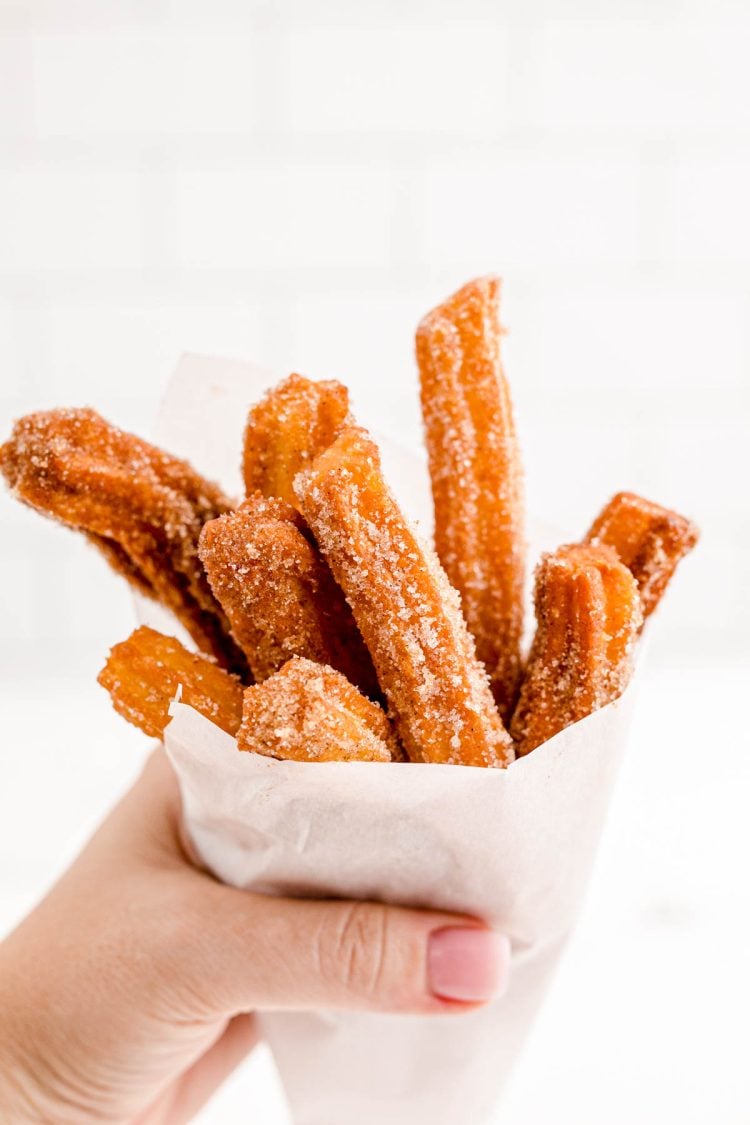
(514,847)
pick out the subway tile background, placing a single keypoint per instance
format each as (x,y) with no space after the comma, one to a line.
(298,182)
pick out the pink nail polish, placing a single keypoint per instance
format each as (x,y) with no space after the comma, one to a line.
(467,963)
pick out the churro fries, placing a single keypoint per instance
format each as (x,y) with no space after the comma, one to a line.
(588,615)
(648,539)
(278,593)
(307,712)
(405,608)
(287,430)
(315,598)
(475,468)
(147,671)
(142,507)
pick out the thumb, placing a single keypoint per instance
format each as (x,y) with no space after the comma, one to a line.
(249,951)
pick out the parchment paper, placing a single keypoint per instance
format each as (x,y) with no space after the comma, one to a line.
(514,846)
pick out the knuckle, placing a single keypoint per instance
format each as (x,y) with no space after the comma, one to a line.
(357,951)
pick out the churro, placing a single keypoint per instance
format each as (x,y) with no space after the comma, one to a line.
(407,611)
(140,506)
(648,539)
(278,593)
(147,671)
(588,616)
(475,468)
(307,712)
(287,430)
(318,592)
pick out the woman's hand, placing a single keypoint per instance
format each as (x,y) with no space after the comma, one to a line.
(127,995)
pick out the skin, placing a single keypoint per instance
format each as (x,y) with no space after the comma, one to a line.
(127,994)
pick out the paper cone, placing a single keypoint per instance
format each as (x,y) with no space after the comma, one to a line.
(514,847)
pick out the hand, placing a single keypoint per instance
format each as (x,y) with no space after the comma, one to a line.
(127,995)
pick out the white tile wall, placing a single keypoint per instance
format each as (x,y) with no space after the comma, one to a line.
(645,73)
(297,181)
(374,73)
(93,84)
(533,207)
(710,192)
(285,217)
(16,110)
(144,81)
(59,217)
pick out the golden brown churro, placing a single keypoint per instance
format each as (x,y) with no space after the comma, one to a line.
(287,430)
(648,539)
(588,616)
(144,674)
(278,593)
(475,467)
(309,713)
(142,507)
(405,608)
(318,587)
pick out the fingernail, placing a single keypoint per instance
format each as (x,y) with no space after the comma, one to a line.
(467,963)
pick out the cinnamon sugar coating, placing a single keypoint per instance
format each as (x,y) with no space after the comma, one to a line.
(406,610)
(144,674)
(307,712)
(648,539)
(279,594)
(140,506)
(287,430)
(588,615)
(475,468)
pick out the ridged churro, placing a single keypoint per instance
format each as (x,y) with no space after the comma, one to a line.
(406,610)
(287,430)
(140,506)
(648,539)
(307,712)
(147,671)
(279,594)
(475,468)
(588,615)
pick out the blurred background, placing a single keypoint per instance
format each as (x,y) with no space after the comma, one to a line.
(296,183)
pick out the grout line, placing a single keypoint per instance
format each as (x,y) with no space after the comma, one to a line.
(715,276)
(284,144)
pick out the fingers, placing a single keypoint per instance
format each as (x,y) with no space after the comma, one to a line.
(154,801)
(255,951)
(226,950)
(143,827)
